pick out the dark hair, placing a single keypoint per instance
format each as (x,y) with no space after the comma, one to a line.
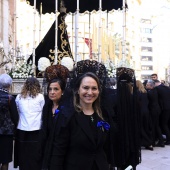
(31,87)
(145,82)
(154,74)
(163,81)
(156,81)
(96,104)
(61,82)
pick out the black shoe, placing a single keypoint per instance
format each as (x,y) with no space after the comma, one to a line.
(167,142)
(160,144)
(149,148)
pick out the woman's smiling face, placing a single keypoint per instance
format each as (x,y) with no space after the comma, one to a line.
(88,91)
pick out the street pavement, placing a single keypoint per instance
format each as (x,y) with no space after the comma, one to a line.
(158,159)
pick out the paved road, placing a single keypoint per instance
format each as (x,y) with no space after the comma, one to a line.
(158,159)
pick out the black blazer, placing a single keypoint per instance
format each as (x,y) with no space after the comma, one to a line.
(8,114)
(163,96)
(75,148)
(153,101)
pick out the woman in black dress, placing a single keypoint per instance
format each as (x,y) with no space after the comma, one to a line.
(146,123)
(8,121)
(127,142)
(80,142)
(56,77)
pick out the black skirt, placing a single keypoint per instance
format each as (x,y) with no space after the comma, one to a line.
(6,148)
(26,150)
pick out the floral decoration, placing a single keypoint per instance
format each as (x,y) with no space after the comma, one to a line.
(57,111)
(103,125)
(110,68)
(43,63)
(67,62)
(21,70)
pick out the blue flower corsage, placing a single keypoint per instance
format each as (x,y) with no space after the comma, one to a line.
(57,111)
(103,125)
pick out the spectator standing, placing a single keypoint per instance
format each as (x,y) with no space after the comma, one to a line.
(146,124)
(8,121)
(155,111)
(164,100)
(30,104)
(82,138)
(56,77)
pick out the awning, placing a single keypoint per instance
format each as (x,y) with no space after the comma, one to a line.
(48,6)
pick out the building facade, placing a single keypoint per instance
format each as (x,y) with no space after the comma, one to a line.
(7,9)
(146,47)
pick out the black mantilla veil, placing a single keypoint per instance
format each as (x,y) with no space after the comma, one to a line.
(85,66)
(107,99)
(88,66)
(52,126)
(52,72)
(128,119)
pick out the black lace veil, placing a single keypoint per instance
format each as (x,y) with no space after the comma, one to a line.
(128,119)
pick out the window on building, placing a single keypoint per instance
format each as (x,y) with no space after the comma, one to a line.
(146,30)
(146,58)
(145,77)
(146,67)
(146,21)
(146,49)
(145,39)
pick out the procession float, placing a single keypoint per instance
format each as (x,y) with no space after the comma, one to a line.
(55,46)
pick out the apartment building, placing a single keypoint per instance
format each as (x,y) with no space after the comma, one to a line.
(146,48)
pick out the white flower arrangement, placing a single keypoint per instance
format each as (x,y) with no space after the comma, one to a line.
(43,63)
(110,68)
(67,62)
(21,70)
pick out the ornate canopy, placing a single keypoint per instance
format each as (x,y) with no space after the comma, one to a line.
(71,5)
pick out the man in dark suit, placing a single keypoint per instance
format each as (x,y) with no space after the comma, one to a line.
(164,101)
(155,111)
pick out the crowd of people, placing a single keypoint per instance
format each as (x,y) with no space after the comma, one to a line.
(82,123)
(156,114)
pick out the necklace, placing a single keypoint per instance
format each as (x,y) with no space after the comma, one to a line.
(54,107)
(91,117)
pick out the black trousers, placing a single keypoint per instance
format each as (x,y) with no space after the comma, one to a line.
(156,130)
(27,155)
(164,121)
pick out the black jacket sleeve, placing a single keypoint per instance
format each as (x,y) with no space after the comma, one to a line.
(13,111)
(60,146)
